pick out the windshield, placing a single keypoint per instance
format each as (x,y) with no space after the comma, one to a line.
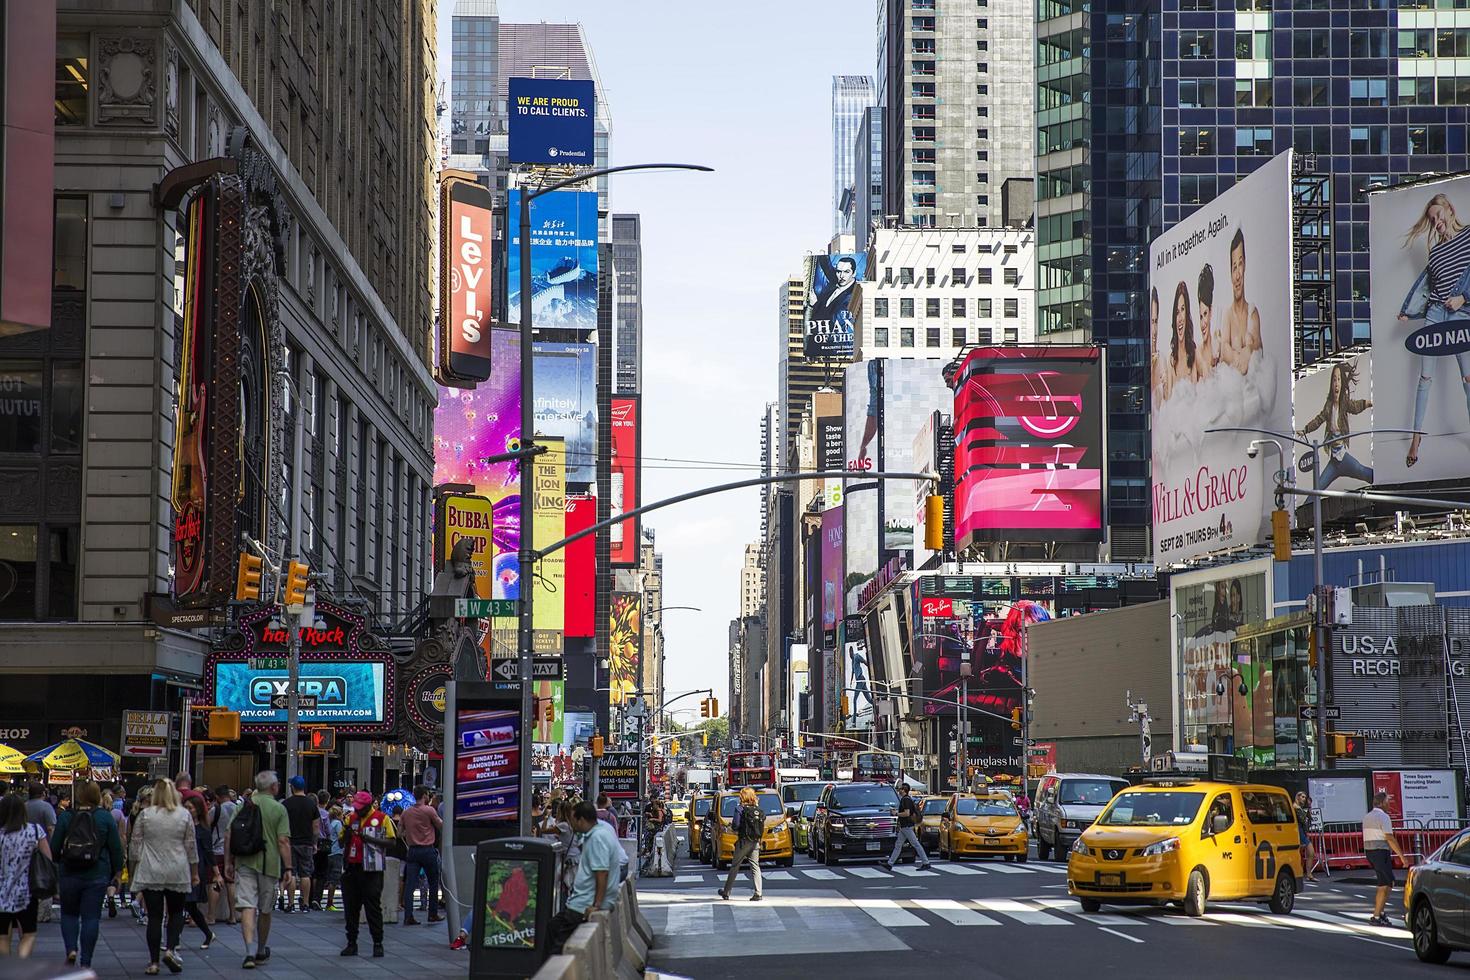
(1152,810)
(770,805)
(701,807)
(985,808)
(801,792)
(1088,792)
(845,796)
(934,807)
(809,808)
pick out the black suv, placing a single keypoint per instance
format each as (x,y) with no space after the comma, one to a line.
(855,820)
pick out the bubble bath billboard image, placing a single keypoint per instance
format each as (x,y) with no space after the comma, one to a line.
(1220,329)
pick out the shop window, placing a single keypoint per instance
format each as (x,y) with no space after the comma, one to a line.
(20,407)
(71,81)
(18,571)
(69,249)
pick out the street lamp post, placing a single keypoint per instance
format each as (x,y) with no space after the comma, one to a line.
(962,745)
(1319,625)
(527,554)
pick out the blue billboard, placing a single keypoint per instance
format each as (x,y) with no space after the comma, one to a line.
(566,403)
(563,260)
(347,692)
(552,121)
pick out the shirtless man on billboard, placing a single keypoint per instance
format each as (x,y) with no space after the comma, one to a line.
(1242,321)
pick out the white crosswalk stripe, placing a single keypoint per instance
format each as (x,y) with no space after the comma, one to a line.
(958,869)
(1024,914)
(886,912)
(778,876)
(1248,920)
(690,920)
(859,871)
(953,912)
(914,872)
(1007,869)
(688,879)
(756,917)
(821,874)
(1056,869)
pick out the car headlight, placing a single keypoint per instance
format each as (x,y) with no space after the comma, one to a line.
(837,825)
(1166,846)
(1080,847)
(1071,824)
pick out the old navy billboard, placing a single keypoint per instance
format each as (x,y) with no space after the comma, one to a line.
(552,121)
(1028,445)
(563,260)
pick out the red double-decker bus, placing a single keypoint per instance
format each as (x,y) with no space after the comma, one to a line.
(756,769)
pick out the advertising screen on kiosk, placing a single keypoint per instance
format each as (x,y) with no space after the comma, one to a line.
(510,903)
(1028,445)
(1418,240)
(1220,329)
(487,768)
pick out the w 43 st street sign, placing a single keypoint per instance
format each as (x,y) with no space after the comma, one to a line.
(483,608)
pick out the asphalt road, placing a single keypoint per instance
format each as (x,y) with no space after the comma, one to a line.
(991,919)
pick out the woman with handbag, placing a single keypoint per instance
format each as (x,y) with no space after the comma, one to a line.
(21,844)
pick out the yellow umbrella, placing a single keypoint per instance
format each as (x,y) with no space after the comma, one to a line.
(12,761)
(74,754)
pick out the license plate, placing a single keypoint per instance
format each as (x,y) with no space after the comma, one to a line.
(1110,880)
(875,845)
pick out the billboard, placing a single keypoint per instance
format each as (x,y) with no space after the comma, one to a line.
(553,693)
(626,429)
(581,566)
(856,677)
(563,260)
(552,120)
(885,403)
(487,767)
(832,591)
(1210,606)
(833,302)
(1229,370)
(566,403)
(548,473)
(465,278)
(1028,428)
(1335,402)
(459,516)
(1417,248)
(624,645)
(347,692)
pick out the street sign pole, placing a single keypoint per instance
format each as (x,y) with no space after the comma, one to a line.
(293,707)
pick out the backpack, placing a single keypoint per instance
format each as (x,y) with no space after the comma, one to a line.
(83,845)
(752,823)
(247,832)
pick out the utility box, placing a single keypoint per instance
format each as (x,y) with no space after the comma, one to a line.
(515,896)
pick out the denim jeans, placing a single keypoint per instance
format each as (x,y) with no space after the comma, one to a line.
(1436,313)
(428,859)
(1348,467)
(81,910)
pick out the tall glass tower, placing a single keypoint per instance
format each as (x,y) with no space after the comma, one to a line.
(851,97)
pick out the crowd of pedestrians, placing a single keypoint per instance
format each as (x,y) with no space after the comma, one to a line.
(175,853)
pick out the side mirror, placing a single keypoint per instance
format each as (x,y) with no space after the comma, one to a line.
(792,811)
(1219,823)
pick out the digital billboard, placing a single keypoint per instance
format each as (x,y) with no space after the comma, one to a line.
(563,260)
(857,676)
(551,121)
(625,643)
(581,566)
(833,303)
(1028,460)
(459,517)
(465,278)
(1417,247)
(880,436)
(487,768)
(1230,369)
(626,428)
(832,591)
(566,403)
(549,511)
(1335,402)
(347,692)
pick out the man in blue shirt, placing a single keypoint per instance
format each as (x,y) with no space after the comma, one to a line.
(593,888)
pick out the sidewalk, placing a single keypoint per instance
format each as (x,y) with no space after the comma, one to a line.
(304,946)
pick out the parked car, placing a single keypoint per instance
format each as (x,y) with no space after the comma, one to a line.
(855,820)
(1435,898)
(1066,804)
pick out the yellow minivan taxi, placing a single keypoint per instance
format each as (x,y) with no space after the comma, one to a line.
(1189,841)
(776,845)
(698,810)
(983,824)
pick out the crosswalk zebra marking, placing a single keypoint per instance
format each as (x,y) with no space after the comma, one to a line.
(887,912)
(1024,914)
(778,876)
(689,879)
(1007,869)
(958,869)
(821,874)
(861,872)
(953,912)
(755,917)
(914,872)
(690,920)
(1243,919)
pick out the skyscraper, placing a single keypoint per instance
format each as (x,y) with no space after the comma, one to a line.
(954,81)
(627,252)
(1189,100)
(851,97)
(867,178)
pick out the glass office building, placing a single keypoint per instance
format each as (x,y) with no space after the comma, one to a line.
(1148,110)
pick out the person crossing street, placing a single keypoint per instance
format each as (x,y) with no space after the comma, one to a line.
(750,824)
(908,819)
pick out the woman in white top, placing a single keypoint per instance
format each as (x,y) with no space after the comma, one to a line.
(164,862)
(18,840)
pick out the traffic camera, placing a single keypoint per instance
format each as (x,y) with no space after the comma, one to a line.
(248,577)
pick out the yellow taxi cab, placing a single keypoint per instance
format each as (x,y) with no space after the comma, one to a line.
(931,809)
(698,811)
(981,825)
(679,810)
(776,846)
(1189,841)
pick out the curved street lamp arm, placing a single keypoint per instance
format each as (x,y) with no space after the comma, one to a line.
(587,175)
(1261,432)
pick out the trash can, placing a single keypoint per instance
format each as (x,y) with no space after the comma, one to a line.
(513,902)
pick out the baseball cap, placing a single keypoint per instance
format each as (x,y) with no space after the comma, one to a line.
(297,782)
(363,798)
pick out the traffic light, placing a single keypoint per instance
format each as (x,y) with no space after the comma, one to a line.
(674,747)
(704,707)
(934,522)
(224,726)
(550,711)
(1281,535)
(597,746)
(1016,718)
(705,736)
(1345,745)
(295,591)
(247,579)
(845,712)
(714,707)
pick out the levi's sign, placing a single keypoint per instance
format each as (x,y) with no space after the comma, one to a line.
(465,278)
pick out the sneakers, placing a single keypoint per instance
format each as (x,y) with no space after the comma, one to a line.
(458,943)
(755,898)
(172,961)
(249,962)
(262,954)
(409,920)
(1380,920)
(724,894)
(207,940)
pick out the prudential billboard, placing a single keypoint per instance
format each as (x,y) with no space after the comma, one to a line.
(552,121)
(1220,330)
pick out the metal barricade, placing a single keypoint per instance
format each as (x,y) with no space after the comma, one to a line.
(1340,845)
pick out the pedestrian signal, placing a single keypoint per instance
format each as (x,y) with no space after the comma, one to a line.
(597,746)
(323,740)
(247,579)
(1345,745)
(550,712)
(224,726)
(674,747)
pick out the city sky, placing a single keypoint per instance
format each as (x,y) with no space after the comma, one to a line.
(745,89)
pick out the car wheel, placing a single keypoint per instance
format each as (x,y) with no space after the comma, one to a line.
(1283,896)
(1043,849)
(1091,906)
(1426,939)
(1010,859)
(1194,895)
(788,862)
(827,858)
(1021,858)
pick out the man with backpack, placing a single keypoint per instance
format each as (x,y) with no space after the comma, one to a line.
(258,860)
(89,856)
(750,827)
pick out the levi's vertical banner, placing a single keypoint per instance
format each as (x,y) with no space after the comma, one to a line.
(552,120)
(464,280)
(624,536)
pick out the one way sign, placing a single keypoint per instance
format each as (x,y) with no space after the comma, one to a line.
(1308,712)
(306,702)
(542,669)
